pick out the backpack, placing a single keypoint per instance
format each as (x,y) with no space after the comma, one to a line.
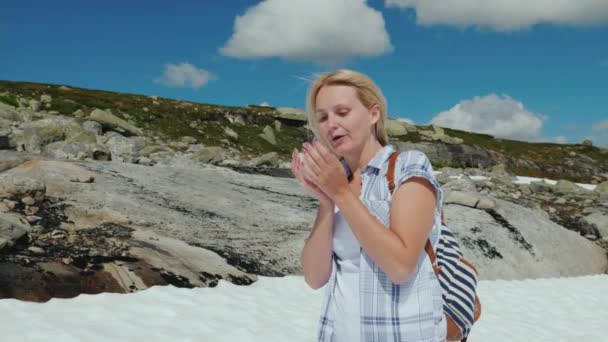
(457,276)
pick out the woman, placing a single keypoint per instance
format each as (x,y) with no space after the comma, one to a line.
(367,245)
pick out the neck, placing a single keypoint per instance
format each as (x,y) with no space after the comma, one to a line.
(358,159)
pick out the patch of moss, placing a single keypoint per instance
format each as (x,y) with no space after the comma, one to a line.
(63,106)
(9,99)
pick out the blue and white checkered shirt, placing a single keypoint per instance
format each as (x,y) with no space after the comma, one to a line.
(411,311)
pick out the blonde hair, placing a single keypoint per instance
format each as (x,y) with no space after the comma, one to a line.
(367,92)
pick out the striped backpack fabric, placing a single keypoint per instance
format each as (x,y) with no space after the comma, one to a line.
(457,276)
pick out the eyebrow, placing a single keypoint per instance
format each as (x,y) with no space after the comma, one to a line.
(323,111)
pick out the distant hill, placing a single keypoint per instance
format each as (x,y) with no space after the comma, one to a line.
(256,130)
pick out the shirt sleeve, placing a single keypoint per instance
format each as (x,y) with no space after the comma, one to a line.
(416,164)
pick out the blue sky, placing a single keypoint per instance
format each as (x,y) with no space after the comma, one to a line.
(516,69)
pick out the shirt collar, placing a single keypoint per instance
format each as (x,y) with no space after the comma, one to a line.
(381,157)
(376,162)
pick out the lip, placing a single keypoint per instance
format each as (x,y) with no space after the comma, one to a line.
(337,141)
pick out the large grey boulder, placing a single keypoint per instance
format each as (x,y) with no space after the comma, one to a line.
(123,148)
(395,128)
(515,242)
(209,155)
(37,134)
(602,187)
(15,186)
(565,187)
(9,113)
(74,150)
(599,221)
(268,135)
(11,229)
(113,121)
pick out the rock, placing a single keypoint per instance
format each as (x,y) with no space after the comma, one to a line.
(455,154)
(92,127)
(18,187)
(442,177)
(77,151)
(463,184)
(79,113)
(461,197)
(209,155)
(395,128)
(486,203)
(515,242)
(598,221)
(34,105)
(587,142)
(541,186)
(33,219)
(232,134)
(28,200)
(11,228)
(36,250)
(125,149)
(438,134)
(602,187)
(268,135)
(296,115)
(269,159)
(113,121)
(560,200)
(564,187)
(277,125)
(46,99)
(83,137)
(189,140)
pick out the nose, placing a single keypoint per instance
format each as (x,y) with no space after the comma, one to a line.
(332,121)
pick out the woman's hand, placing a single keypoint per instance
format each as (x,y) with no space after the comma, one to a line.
(324,170)
(297,168)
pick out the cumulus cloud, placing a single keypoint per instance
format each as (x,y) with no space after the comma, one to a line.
(500,116)
(319,31)
(560,139)
(505,15)
(185,75)
(265,104)
(601,126)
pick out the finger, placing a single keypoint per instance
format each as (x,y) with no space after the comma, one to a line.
(314,154)
(310,167)
(323,152)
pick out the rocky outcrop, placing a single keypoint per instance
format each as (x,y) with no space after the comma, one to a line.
(113,121)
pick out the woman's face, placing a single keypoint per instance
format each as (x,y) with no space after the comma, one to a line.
(343,120)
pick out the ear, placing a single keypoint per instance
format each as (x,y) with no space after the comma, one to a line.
(375,113)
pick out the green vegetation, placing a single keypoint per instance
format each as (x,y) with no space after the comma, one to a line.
(9,99)
(173,119)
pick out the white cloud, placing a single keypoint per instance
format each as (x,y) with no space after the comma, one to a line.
(492,114)
(185,75)
(601,126)
(318,31)
(505,15)
(265,104)
(560,139)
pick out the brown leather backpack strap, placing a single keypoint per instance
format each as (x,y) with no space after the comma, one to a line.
(429,250)
(390,173)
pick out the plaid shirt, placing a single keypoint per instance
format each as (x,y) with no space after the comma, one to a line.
(411,311)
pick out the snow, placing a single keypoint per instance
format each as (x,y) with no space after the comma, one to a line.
(285,309)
